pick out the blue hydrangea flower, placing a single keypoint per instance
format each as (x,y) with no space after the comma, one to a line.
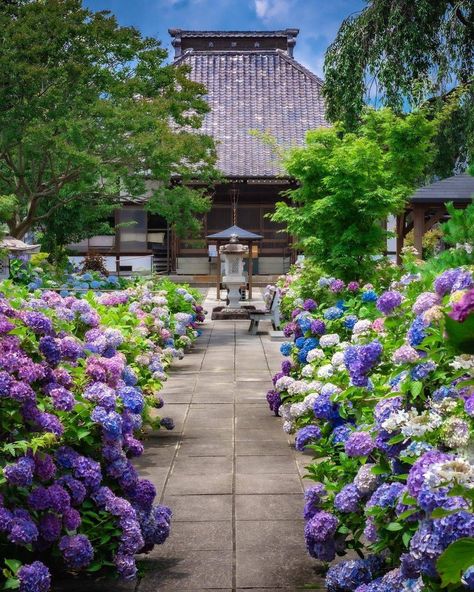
(333,313)
(285,348)
(369,296)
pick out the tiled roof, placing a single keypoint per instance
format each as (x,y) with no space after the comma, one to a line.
(264,90)
(192,33)
(459,188)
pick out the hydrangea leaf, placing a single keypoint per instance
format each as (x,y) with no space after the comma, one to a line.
(455,560)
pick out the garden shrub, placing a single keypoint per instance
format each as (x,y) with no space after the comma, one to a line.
(384,402)
(79,380)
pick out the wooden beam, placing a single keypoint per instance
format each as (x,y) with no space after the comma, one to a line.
(437,217)
(418,228)
(218,274)
(250,270)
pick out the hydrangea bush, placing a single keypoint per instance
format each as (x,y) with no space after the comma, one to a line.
(79,381)
(374,389)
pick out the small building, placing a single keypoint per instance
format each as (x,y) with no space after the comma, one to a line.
(253,83)
(427,208)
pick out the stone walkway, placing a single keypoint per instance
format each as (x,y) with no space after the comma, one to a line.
(228,473)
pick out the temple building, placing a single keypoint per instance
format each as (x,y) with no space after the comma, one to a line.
(253,83)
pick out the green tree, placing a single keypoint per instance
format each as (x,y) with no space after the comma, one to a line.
(403,54)
(349,182)
(89,112)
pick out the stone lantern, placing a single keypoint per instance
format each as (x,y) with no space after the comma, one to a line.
(233,255)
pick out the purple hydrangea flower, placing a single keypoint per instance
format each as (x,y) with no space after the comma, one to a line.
(348,499)
(386,495)
(34,577)
(359,444)
(321,527)
(463,308)
(305,435)
(88,471)
(38,322)
(76,550)
(22,531)
(416,476)
(63,399)
(341,433)
(126,566)
(71,519)
(50,527)
(353,286)
(50,349)
(360,360)
(45,469)
(21,472)
(324,408)
(421,371)
(274,401)
(389,301)
(318,327)
(309,305)
(336,286)
(313,498)
(425,301)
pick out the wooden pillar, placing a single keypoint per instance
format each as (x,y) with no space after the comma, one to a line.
(418,229)
(400,236)
(250,270)
(218,274)
(117,241)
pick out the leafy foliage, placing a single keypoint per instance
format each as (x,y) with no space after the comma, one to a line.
(349,182)
(89,113)
(401,54)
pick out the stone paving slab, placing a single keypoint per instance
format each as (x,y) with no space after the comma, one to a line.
(228,472)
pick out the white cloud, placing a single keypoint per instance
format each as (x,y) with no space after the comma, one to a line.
(273,10)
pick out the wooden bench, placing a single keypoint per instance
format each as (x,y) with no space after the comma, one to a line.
(270,314)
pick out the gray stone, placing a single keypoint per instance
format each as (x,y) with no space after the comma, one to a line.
(262,465)
(189,570)
(200,507)
(198,536)
(180,484)
(268,484)
(279,506)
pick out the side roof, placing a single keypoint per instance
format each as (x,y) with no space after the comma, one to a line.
(253,88)
(459,188)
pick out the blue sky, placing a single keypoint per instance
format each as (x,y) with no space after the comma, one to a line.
(318,20)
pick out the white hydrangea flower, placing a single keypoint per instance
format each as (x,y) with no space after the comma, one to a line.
(329,340)
(309,400)
(283,383)
(455,432)
(363,326)
(297,387)
(365,480)
(325,371)
(288,427)
(307,371)
(315,354)
(284,411)
(315,385)
(297,410)
(395,421)
(458,471)
(419,424)
(464,362)
(337,360)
